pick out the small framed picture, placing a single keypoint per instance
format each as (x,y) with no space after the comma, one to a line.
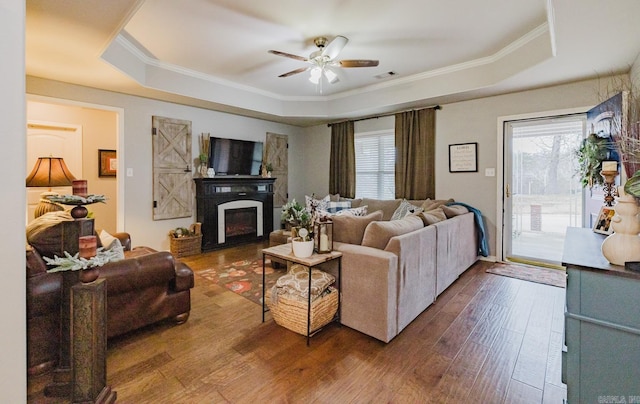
(463,158)
(602,224)
(107,163)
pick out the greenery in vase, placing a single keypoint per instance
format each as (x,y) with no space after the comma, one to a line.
(296,215)
(268,167)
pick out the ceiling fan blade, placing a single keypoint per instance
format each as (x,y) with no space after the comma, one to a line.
(289,55)
(358,63)
(292,72)
(335,47)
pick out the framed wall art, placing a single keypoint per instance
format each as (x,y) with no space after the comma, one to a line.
(107,163)
(463,158)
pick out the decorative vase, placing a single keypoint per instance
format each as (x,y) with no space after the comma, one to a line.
(624,244)
(302,249)
(89,275)
(211,172)
(203,169)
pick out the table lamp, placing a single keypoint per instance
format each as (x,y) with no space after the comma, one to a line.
(49,172)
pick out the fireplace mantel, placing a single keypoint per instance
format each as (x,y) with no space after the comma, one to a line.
(213,194)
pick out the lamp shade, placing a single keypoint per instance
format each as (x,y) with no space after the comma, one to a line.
(50,172)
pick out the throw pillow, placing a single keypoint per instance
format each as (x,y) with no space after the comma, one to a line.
(350,229)
(359,211)
(314,204)
(406,208)
(454,210)
(433,216)
(378,234)
(430,204)
(333,207)
(110,242)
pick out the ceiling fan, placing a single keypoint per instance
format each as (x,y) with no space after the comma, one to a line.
(323,60)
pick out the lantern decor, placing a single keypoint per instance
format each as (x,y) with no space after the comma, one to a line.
(323,236)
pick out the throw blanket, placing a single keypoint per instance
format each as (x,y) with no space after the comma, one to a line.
(483,242)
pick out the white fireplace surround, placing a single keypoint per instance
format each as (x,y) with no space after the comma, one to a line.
(238,205)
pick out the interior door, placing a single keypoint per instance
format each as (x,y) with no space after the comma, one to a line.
(172,177)
(542,194)
(52,139)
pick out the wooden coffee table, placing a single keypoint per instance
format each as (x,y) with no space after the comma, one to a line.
(285,253)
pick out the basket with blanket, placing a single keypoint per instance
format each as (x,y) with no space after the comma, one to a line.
(288,299)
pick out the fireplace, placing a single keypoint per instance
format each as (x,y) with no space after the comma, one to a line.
(239,220)
(234,210)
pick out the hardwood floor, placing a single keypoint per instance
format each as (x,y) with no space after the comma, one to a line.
(487,339)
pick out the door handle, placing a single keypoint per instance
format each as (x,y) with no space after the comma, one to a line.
(508,192)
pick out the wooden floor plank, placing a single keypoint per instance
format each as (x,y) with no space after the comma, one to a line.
(463,348)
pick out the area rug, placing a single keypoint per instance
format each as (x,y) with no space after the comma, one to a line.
(553,277)
(244,277)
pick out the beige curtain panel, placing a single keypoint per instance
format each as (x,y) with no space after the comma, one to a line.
(415,154)
(342,170)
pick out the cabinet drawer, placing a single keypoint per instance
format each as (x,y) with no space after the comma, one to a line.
(610,298)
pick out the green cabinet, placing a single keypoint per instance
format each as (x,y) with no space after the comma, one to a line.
(601,357)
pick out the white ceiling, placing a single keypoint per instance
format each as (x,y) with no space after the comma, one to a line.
(213,53)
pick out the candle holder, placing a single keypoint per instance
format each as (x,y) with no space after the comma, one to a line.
(609,189)
(323,236)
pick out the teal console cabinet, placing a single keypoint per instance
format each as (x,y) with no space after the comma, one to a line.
(601,357)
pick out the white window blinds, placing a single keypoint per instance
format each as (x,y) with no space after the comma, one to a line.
(375,165)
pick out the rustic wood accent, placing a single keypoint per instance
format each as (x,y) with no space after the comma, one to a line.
(172,166)
(277,153)
(487,339)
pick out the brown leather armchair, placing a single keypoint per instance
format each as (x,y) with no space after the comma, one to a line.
(146,287)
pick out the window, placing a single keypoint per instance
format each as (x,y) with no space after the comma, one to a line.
(375,165)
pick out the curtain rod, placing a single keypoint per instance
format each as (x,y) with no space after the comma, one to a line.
(436,107)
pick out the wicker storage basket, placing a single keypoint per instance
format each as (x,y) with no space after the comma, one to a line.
(290,311)
(185,246)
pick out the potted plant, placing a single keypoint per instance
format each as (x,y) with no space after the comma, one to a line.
(269,169)
(297,217)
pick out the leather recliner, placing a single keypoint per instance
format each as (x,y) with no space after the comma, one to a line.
(146,287)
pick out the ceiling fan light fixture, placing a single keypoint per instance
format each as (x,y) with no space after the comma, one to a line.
(316,73)
(330,75)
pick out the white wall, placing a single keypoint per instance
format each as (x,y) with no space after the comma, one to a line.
(13,339)
(469,121)
(136,149)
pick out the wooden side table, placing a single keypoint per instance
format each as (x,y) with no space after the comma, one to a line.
(284,252)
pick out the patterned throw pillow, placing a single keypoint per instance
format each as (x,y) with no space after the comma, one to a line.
(360,211)
(406,208)
(312,204)
(334,207)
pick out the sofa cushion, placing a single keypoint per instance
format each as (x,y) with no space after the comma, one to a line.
(406,208)
(386,206)
(430,204)
(433,216)
(378,234)
(350,229)
(454,210)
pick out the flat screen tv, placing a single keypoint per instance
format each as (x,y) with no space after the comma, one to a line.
(235,157)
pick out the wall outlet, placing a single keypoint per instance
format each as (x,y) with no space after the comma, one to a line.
(489,172)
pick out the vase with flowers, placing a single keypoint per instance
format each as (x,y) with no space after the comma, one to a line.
(298,218)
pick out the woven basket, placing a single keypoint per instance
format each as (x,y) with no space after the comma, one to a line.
(291,311)
(185,246)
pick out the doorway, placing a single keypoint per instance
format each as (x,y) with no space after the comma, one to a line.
(542,195)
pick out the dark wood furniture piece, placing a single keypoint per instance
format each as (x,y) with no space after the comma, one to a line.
(224,195)
(284,252)
(601,358)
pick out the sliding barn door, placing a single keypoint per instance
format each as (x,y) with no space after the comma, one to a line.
(172,178)
(276,153)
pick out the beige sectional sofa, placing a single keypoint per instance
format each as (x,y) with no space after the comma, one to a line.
(392,270)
